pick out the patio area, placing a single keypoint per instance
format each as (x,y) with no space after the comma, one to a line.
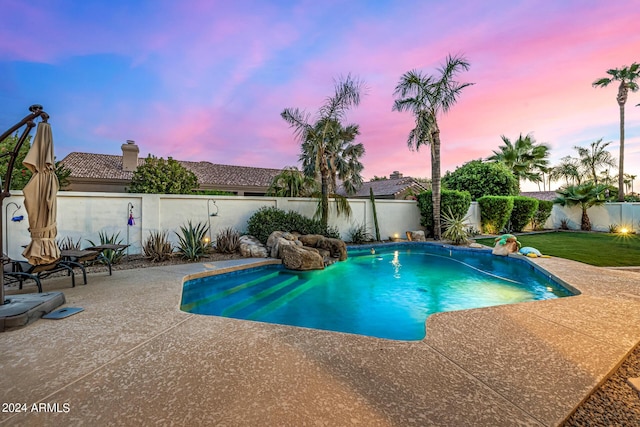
(133,358)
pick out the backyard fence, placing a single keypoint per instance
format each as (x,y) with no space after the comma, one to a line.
(84,216)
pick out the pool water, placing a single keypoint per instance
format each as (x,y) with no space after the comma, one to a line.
(388,294)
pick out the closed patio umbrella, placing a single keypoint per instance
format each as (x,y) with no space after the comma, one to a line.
(40,199)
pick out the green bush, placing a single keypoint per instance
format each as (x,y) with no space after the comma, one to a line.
(457,201)
(266,220)
(524,208)
(159,176)
(482,179)
(494,213)
(359,234)
(191,241)
(542,214)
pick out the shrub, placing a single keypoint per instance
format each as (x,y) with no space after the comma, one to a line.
(191,243)
(266,220)
(524,208)
(159,176)
(114,256)
(228,240)
(542,214)
(359,234)
(455,227)
(157,246)
(495,212)
(457,201)
(482,179)
(67,244)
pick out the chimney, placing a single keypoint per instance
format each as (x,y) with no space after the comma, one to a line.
(395,175)
(130,156)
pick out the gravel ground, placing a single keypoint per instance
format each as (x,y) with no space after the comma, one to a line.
(615,403)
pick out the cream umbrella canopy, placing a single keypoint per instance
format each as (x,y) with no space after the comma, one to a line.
(40,199)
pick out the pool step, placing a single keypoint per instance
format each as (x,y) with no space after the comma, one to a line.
(233,309)
(303,286)
(225,293)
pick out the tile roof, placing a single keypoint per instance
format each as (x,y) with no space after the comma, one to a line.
(109,167)
(540,195)
(387,187)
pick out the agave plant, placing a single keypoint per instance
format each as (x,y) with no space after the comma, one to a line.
(113,256)
(456,228)
(191,241)
(67,244)
(228,240)
(157,246)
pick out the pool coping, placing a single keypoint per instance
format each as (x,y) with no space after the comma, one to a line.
(133,357)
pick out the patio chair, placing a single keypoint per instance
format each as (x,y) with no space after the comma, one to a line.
(21,271)
(80,259)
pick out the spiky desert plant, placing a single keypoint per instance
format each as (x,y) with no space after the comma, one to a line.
(228,240)
(67,244)
(116,256)
(191,241)
(157,246)
(455,228)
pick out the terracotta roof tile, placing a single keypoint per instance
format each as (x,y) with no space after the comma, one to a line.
(109,167)
(388,187)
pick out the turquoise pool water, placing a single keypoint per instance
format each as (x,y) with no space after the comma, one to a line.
(386,295)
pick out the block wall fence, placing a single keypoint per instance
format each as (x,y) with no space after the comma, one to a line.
(83,216)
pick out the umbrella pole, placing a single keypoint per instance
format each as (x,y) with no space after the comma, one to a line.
(28,121)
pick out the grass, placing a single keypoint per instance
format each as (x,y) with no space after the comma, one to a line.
(599,249)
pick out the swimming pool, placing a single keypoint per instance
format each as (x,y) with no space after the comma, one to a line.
(388,294)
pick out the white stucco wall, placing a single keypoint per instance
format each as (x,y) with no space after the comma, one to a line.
(82,216)
(621,214)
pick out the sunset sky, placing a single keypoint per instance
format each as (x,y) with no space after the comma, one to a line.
(207,80)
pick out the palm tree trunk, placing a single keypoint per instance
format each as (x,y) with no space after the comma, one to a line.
(435,183)
(621,165)
(586,223)
(324,203)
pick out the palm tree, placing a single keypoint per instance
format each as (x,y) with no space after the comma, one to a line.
(586,195)
(568,170)
(291,182)
(628,180)
(428,96)
(627,76)
(594,158)
(319,136)
(526,159)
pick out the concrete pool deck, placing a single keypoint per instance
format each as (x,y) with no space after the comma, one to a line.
(133,358)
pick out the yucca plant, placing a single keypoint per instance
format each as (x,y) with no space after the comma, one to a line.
(157,246)
(67,244)
(455,228)
(114,256)
(191,244)
(228,241)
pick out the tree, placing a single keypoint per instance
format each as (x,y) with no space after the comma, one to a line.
(159,176)
(585,195)
(526,159)
(482,179)
(291,182)
(567,169)
(21,175)
(427,97)
(594,158)
(319,143)
(627,76)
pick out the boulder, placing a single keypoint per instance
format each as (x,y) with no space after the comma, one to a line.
(296,257)
(250,247)
(311,240)
(278,244)
(416,236)
(336,247)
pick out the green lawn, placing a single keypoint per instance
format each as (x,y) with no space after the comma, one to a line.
(600,249)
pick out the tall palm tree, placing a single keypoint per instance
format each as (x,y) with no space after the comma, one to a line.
(526,159)
(568,170)
(426,97)
(319,135)
(627,76)
(594,158)
(585,195)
